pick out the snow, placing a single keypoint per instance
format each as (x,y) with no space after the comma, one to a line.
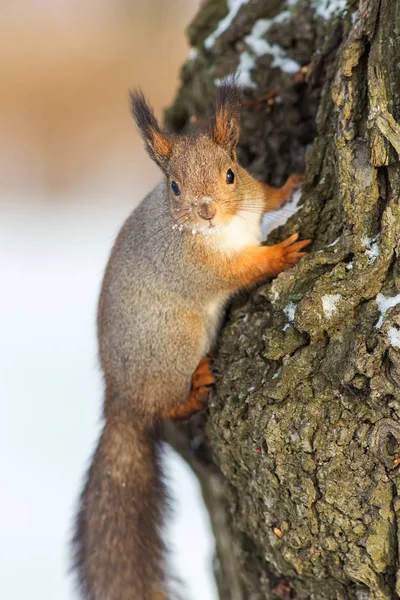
(371,249)
(234,7)
(276,218)
(289,311)
(259,47)
(247,62)
(327,8)
(205,230)
(329,304)
(384,303)
(193,54)
(246,65)
(274,293)
(52,257)
(334,243)
(276,375)
(349,266)
(394,336)
(372,252)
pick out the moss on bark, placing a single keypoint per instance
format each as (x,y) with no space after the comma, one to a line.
(304,425)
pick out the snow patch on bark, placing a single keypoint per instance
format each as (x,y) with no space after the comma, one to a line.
(394,336)
(384,303)
(329,304)
(289,311)
(247,63)
(371,249)
(258,46)
(327,8)
(334,243)
(274,293)
(234,7)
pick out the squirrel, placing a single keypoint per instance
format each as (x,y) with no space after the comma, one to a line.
(183,252)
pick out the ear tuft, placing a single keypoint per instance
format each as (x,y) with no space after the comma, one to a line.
(157,143)
(225,127)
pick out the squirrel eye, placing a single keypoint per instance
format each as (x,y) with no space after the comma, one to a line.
(175,188)
(230,176)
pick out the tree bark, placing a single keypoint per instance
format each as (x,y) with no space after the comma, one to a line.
(298,457)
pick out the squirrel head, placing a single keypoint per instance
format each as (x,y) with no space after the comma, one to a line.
(201,169)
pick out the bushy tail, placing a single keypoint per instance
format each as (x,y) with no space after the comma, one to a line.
(119,554)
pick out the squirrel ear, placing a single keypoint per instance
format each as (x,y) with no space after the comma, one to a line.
(225,126)
(158,145)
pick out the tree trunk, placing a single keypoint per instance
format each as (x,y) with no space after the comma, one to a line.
(304,426)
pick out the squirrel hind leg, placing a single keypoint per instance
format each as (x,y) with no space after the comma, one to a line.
(203,380)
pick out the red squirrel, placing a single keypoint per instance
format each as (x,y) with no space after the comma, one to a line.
(183,252)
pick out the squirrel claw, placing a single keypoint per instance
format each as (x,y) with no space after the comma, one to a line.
(293,183)
(290,251)
(203,377)
(295,180)
(203,381)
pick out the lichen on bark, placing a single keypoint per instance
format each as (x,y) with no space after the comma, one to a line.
(304,426)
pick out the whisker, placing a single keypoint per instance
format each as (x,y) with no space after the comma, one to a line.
(167,241)
(271,209)
(155,233)
(255,208)
(174,225)
(248,220)
(165,227)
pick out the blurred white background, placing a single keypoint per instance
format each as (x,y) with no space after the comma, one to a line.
(71,169)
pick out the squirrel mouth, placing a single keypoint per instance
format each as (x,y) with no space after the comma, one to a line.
(205,228)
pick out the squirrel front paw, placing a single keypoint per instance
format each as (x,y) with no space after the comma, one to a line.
(286,254)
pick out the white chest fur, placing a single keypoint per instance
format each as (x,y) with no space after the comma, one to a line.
(243,230)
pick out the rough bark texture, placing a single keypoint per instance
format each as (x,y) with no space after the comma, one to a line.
(304,426)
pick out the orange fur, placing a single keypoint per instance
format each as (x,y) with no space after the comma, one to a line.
(220,130)
(161,144)
(275,197)
(225,128)
(202,381)
(254,264)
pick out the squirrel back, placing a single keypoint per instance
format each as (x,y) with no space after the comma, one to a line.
(190,244)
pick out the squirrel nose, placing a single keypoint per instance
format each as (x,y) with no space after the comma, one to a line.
(206,211)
